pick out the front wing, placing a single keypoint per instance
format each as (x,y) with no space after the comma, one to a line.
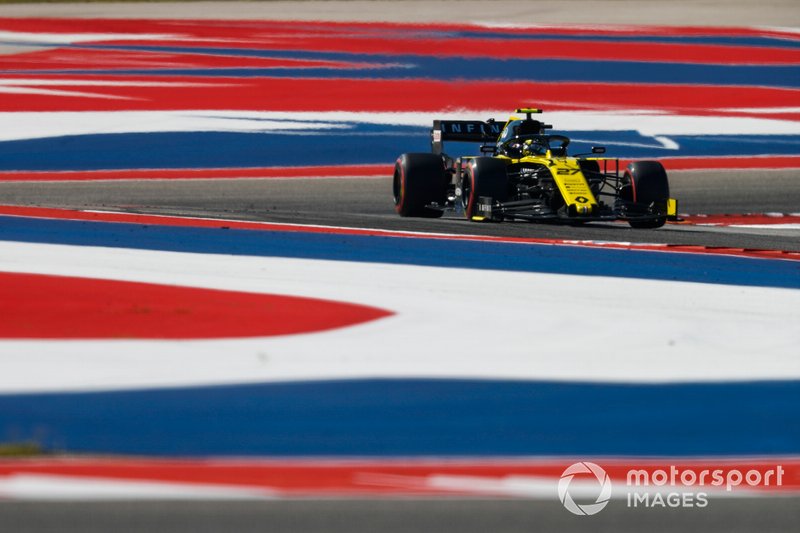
(488,209)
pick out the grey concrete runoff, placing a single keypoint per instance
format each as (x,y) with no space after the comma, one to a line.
(782,13)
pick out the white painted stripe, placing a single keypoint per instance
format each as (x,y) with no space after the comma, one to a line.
(782,29)
(33,86)
(450,323)
(765,226)
(31,125)
(541,487)
(101,83)
(75,488)
(766,110)
(55,92)
(53,487)
(69,38)
(537,487)
(560,27)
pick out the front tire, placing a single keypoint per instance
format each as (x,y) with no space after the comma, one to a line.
(483,176)
(419,180)
(647,185)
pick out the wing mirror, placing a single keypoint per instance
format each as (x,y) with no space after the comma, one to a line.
(598,149)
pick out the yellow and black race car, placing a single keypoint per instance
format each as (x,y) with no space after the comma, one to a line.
(526,174)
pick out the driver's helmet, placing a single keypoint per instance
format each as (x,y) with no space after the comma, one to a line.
(533,147)
(529,127)
(522,128)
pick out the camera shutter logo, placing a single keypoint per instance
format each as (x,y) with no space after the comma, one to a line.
(603,489)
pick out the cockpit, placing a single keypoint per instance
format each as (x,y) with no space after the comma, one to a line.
(525,137)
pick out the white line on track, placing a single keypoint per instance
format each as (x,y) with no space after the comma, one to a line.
(32,125)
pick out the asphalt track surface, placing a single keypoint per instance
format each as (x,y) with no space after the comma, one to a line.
(395,516)
(367,203)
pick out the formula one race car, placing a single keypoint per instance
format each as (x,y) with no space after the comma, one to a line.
(526,174)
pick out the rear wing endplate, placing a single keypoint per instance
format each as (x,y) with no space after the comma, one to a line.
(463,131)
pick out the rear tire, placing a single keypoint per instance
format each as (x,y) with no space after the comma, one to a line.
(419,180)
(647,183)
(483,176)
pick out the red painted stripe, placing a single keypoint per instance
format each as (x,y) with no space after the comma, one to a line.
(440,97)
(65,214)
(209,173)
(243,28)
(762,162)
(59,307)
(290,477)
(401,44)
(748,218)
(732,163)
(83,59)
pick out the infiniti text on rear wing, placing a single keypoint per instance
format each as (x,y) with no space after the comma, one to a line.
(463,131)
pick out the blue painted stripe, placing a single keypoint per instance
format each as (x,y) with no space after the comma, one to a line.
(589,38)
(545,71)
(464,68)
(417,417)
(357,144)
(519,38)
(575,260)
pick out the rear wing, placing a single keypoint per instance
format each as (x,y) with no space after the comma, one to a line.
(463,131)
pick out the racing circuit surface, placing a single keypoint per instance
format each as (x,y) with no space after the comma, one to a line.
(367,203)
(215,320)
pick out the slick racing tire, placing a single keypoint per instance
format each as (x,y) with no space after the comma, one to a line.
(646,183)
(419,180)
(483,176)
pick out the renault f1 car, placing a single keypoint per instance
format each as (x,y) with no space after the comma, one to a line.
(524,173)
